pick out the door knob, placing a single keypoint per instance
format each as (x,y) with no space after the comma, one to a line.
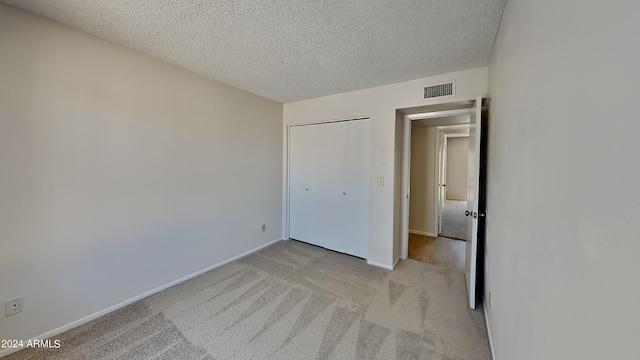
(475,215)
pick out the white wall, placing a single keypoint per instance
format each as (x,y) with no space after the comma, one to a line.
(422,199)
(457,167)
(380,105)
(119,173)
(563,195)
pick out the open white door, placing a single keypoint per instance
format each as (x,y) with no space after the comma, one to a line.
(474,215)
(442,181)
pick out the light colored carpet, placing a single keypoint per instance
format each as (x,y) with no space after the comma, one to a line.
(291,301)
(454,223)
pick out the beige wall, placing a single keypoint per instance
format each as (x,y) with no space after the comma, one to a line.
(380,105)
(120,174)
(422,199)
(563,196)
(457,167)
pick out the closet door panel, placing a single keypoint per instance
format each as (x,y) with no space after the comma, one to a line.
(297,182)
(357,184)
(334,186)
(315,171)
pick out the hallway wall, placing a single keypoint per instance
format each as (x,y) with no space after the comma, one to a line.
(422,181)
(457,168)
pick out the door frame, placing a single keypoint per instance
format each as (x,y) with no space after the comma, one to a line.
(441,177)
(406,166)
(443,136)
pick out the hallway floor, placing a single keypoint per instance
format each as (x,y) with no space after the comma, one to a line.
(454,222)
(445,252)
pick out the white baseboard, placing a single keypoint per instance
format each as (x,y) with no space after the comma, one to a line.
(381,265)
(486,319)
(93,316)
(418,232)
(395,263)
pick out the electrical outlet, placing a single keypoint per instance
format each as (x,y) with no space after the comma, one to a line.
(264,227)
(13,306)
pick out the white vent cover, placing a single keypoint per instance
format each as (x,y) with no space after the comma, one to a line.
(440,90)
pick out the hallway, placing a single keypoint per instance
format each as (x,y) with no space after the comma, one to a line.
(448,253)
(454,223)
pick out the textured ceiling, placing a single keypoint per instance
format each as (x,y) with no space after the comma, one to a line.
(289,50)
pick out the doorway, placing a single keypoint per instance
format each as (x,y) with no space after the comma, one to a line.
(431,117)
(438,185)
(453,163)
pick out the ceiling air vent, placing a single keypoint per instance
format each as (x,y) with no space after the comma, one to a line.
(440,90)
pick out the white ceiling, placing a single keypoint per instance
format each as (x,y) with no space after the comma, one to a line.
(289,50)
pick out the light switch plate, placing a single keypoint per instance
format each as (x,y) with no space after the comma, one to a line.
(380,180)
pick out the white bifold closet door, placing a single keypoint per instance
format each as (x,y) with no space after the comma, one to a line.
(334,189)
(328,185)
(297,183)
(313,167)
(305,147)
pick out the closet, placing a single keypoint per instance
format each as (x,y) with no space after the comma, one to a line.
(329,185)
